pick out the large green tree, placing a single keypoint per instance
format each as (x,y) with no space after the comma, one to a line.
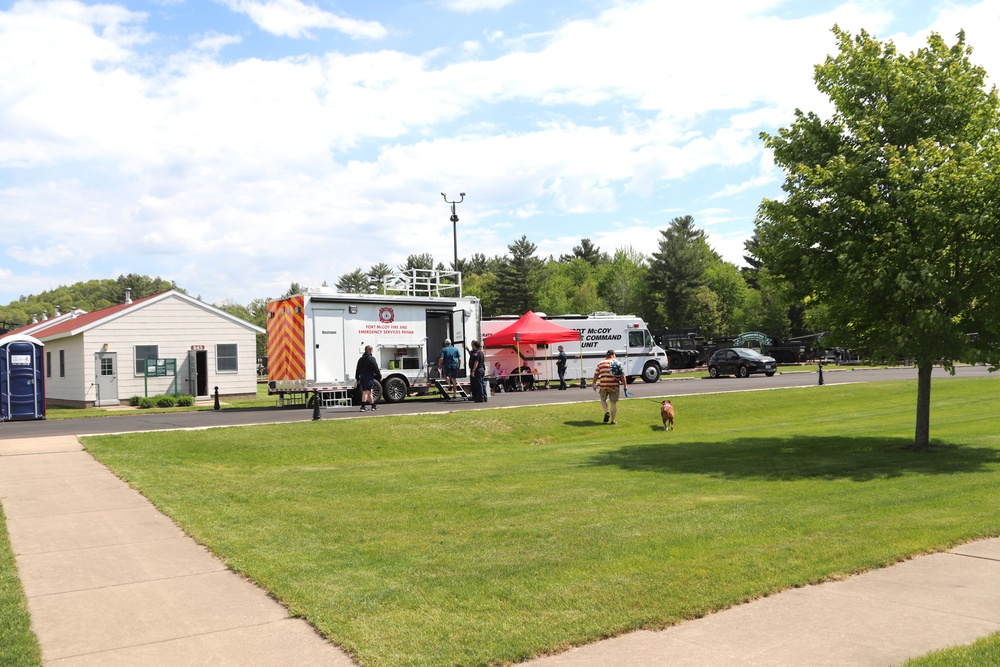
(519,277)
(586,251)
(623,285)
(677,272)
(890,216)
(356,282)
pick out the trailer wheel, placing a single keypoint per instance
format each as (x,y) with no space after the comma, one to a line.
(651,372)
(376,393)
(395,389)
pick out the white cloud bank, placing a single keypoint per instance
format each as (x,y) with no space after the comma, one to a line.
(295,19)
(235,178)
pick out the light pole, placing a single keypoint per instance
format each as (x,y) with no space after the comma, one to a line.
(454,224)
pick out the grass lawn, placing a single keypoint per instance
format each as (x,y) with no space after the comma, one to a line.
(18,646)
(490,536)
(983,653)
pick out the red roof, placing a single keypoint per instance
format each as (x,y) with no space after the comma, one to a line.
(64,325)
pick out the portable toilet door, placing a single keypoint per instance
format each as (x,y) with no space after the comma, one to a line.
(22,378)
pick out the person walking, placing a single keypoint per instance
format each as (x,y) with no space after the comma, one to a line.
(561,360)
(367,372)
(608,378)
(448,364)
(477,368)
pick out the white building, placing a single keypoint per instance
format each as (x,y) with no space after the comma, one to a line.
(162,344)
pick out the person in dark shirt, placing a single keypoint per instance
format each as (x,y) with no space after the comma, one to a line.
(367,372)
(477,366)
(561,367)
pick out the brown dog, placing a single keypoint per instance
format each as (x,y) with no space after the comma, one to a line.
(667,414)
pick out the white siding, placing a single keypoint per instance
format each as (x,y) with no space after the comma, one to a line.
(74,386)
(175,325)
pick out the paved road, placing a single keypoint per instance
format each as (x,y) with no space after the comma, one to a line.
(667,387)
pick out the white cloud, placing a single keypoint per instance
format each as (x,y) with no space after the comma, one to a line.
(215,42)
(306,167)
(468,6)
(292,18)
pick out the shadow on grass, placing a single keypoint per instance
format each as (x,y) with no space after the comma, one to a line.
(806,457)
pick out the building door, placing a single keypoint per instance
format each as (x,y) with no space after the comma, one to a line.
(328,345)
(198,373)
(106,369)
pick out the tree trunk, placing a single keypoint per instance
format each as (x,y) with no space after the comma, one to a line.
(923,434)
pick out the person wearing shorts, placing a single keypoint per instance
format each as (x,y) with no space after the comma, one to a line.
(367,372)
(448,364)
(608,384)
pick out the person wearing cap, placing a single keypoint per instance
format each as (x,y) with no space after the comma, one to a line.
(477,370)
(448,364)
(367,373)
(608,383)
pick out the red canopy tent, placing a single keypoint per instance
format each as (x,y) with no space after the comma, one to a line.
(531,329)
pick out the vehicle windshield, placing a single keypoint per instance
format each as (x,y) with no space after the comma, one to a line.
(747,353)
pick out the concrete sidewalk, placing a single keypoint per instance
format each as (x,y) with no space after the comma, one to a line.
(111,581)
(879,618)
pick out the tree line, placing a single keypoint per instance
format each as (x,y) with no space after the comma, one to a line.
(684,284)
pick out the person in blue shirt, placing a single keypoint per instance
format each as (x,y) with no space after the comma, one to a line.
(448,364)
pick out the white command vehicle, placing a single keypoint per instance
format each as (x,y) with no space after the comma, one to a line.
(627,335)
(314,339)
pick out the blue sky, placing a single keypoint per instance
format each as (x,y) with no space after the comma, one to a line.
(235,146)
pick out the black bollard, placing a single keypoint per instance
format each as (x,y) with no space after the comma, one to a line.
(315,406)
(821,372)
(217,406)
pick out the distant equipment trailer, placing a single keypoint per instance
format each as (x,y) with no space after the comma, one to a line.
(315,339)
(687,348)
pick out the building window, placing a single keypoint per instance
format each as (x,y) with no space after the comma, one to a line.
(107,366)
(62,363)
(226,360)
(143,352)
(48,364)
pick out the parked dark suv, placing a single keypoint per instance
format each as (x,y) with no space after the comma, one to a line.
(740,361)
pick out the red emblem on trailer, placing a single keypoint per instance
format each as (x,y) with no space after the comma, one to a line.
(385,315)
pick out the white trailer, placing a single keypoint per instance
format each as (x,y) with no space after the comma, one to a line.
(315,339)
(627,335)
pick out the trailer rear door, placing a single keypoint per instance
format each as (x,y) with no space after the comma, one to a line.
(328,344)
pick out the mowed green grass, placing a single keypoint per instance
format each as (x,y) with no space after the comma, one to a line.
(489,536)
(982,653)
(18,645)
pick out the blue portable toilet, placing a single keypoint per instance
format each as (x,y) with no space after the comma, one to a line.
(22,378)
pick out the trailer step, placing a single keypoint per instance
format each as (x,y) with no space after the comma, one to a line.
(442,387)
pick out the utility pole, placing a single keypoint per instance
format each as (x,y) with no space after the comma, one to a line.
(454,224)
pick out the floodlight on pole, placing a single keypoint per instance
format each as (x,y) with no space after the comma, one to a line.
(454,224)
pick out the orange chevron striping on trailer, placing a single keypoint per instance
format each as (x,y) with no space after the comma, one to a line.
(286,341)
